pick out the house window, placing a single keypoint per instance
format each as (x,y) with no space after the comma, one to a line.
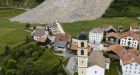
(129,39)
(82,52)
(82,44)
(95,71)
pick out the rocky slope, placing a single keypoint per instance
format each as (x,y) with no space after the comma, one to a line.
(64,11)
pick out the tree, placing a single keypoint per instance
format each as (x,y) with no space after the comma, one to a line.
(11,64)
(39,1)
(6,50)
(28,39)
(27,25)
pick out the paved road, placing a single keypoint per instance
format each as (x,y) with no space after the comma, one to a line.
(72,65)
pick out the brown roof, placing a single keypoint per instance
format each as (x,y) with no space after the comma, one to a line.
(62,37)
(134,51)
(137,59)
(96,58)
(75,47)
(129,56)
(135,26)
(131,34)
(116,48)
(42,39)
(113,34)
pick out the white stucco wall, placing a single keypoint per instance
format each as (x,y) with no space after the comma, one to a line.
(124,42)
(95,70)
(130,69)
(134,30)
(95,38)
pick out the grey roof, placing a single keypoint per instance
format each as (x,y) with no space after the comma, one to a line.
(51,25)
(38,33)
(60,43)
(96,58)
(111,27)
(97,30)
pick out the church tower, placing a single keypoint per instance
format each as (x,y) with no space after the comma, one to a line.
(82,54)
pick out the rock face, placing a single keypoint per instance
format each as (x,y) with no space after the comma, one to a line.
(64,11)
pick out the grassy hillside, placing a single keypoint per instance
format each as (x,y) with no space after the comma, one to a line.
(11,34)
(77,27)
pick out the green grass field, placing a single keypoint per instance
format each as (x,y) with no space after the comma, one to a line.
(77,27)
(11,34)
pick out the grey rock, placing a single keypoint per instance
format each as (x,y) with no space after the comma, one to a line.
(64,11)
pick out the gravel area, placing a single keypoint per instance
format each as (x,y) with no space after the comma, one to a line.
(64,11)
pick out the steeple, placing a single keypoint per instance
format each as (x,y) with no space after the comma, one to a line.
(82,54)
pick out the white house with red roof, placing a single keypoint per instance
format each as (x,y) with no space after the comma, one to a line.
(130,63)
(129,59)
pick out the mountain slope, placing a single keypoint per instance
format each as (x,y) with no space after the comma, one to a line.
(64,11)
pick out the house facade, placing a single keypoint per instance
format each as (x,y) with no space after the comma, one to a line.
(130,62)
(135,28)
(95,70)
(120,29)
(130,39)
(112,38)
(131,68)
(96,36)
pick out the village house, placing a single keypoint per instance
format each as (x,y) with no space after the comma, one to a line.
(55,28)
(135,28)
(96,35)
(97,63)
(115,51)
(130,39)
(130,62)
(112,38)
(61,42)
(109,29)
(120,29)
(36,34)
(129,59)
